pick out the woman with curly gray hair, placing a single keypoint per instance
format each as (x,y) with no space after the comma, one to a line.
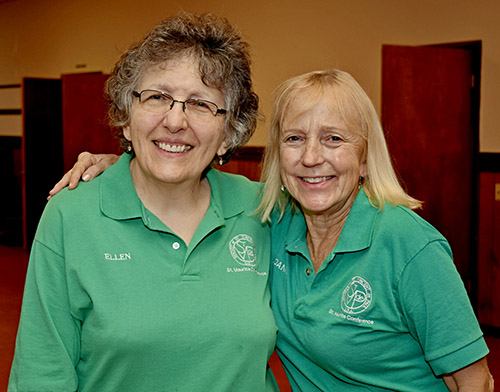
(154,277)
(222,59)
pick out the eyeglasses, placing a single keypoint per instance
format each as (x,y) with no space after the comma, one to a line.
(156,101)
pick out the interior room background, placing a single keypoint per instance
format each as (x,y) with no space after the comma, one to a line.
(57,39)
(47,38)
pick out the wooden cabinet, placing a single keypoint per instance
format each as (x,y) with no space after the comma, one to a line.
(489,249)
(84,116)
(10,165)
(11,197)
(245,161)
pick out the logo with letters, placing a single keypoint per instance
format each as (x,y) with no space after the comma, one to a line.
(242,249)
(357,296)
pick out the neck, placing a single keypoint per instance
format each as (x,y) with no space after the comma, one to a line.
(323,232)
(180,206)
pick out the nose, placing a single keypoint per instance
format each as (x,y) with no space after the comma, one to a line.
(313,153)
(175,119)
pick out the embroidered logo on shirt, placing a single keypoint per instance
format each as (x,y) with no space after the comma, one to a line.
(242,249)
(357,296)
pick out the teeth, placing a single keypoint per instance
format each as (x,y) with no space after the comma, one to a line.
(315,180)
(173,148)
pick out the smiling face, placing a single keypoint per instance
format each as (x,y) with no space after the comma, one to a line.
(321,158)
(171,147)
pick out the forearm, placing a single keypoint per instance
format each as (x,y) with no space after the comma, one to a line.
(473,378)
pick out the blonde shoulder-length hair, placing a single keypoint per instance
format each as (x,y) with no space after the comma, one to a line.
(350,100)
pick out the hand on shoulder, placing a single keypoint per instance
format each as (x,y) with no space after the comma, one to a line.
(87,167)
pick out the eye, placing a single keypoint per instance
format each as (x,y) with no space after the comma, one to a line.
(155,96)
(292,138)
(202,106)
(333,139)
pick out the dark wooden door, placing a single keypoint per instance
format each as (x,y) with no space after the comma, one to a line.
(41,148)
(426,113)
(84,111)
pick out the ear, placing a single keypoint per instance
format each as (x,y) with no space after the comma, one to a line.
(363,167)
(222,148)
(363,170)
(126,132)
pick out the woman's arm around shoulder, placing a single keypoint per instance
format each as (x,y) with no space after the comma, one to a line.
(473,378)
(86,168)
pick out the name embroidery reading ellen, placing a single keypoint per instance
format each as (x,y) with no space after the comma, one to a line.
(117,256)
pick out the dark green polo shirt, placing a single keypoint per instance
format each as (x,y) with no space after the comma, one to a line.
(387,310)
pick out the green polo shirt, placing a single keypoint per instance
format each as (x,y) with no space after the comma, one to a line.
(115,301)
(387,310)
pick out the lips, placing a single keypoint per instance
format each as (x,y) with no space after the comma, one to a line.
(315,180)
(175,148)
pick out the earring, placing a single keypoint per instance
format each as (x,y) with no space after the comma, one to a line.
(129,148)
(361,181)
(282,188)
(221,161)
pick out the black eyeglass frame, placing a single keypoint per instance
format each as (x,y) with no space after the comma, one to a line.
(138,95)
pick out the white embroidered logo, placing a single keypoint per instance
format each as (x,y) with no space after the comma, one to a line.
(357,296)
(242,249)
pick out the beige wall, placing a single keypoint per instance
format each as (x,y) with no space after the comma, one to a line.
(45,38)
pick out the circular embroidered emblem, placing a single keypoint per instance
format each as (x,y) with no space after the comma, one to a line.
(357,296)
(242,250)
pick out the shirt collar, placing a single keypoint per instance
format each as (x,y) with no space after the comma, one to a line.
(358,229)
(226,202)
(355,235)
(119,199)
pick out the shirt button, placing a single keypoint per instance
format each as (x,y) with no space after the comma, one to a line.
(308,271)
(176,245)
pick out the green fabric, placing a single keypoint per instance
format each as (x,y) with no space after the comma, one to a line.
(115,301)
(387,310)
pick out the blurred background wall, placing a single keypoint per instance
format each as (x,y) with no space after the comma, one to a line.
(47,38)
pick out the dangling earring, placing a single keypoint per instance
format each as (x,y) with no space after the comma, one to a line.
(361,181)
(221,161)
(129,148)
(282,188)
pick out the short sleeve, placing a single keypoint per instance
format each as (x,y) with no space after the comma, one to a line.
(438,312)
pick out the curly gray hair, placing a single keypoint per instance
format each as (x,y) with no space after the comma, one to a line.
(224,63)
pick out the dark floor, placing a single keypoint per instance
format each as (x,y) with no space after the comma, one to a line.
(13,262)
